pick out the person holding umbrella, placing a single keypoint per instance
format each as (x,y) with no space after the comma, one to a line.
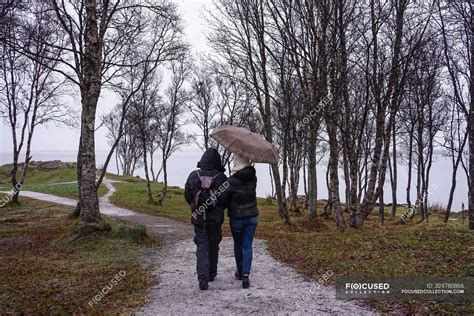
(241,202)
(240,196)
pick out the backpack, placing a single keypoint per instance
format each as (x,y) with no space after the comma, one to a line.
(205,198)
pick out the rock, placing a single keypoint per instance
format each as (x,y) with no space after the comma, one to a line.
(46,165)
(55,164)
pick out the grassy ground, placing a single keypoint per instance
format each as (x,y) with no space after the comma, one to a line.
(431,248)
(47,181)
(314,246)
(42,271)
(132,194)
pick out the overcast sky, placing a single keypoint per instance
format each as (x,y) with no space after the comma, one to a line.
(60,138)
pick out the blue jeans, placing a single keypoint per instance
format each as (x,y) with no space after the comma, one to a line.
(243,230)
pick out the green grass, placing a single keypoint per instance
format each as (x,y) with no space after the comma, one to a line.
(433,248)
(44,272)
(133,195)
(47,181)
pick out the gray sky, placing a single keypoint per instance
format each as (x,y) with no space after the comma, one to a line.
(61,138)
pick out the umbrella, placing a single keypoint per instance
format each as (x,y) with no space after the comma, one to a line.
(245,143)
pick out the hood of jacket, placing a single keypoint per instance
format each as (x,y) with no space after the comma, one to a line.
(211,160)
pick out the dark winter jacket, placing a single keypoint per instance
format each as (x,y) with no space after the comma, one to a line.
(209,165)
(241,196)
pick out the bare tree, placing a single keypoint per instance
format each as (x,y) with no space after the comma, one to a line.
(454,141)
(96,37)
(31,91)
(202,108)
(234,102)
(456,21)
(145,111)
(170,118)
(430,112)
(127,146)
(411,26)
(239,34)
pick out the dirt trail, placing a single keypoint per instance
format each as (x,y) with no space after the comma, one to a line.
(276,288)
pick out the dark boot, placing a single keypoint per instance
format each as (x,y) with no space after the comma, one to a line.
(238,276)
(203,286)
(245,282)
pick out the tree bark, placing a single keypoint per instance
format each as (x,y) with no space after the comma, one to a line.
(329,205)
(471,124)
(394,177)
(410,161)
(284,162)
(165,182)
(147,176)
(90,92)
(77,209)
(294,182)
(454,179)
(14,181)
(271,181)
(89,201)
(381,208)
(334,176)
(152,169)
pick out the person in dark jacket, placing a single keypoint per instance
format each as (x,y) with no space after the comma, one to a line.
(241,202)
(207,218)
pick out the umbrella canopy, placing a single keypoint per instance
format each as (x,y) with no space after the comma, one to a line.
(245,143)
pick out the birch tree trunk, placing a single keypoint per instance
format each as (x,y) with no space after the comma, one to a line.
(394,175)
(312,186)
(90,91)
(471,124)
(410,159)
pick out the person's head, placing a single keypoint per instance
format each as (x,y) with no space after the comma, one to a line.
(211,160)
(240,163)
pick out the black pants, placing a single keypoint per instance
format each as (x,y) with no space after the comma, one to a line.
(207,240)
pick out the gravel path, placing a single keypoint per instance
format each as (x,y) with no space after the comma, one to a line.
(276,289)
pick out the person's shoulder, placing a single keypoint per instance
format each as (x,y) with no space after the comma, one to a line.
(193,174)
(221,178)
(230,179)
